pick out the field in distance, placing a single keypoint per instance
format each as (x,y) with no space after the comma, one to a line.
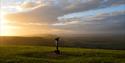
(79,41)
(44,54)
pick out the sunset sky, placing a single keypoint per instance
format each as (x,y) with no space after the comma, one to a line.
(34,17)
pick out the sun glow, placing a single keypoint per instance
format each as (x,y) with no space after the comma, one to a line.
(4,28)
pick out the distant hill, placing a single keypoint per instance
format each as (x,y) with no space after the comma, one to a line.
(89,41)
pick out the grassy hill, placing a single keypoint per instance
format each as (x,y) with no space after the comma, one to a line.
(44,54)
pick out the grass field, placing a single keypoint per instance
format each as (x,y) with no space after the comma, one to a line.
(44,54)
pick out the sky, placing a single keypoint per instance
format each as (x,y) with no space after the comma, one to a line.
(35,17)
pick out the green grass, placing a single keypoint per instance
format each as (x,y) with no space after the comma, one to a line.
(44,54)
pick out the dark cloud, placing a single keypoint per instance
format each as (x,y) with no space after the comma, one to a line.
(102,23)
(116,2)
(41,14)
(53,9)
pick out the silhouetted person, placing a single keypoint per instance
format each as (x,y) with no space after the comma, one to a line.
(57,51)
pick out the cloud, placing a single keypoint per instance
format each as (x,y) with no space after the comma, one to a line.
(47,13)
(51,10)
(65,23)
(26,5)
(119,2)
(42,14)
(100,23)
(78,6)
